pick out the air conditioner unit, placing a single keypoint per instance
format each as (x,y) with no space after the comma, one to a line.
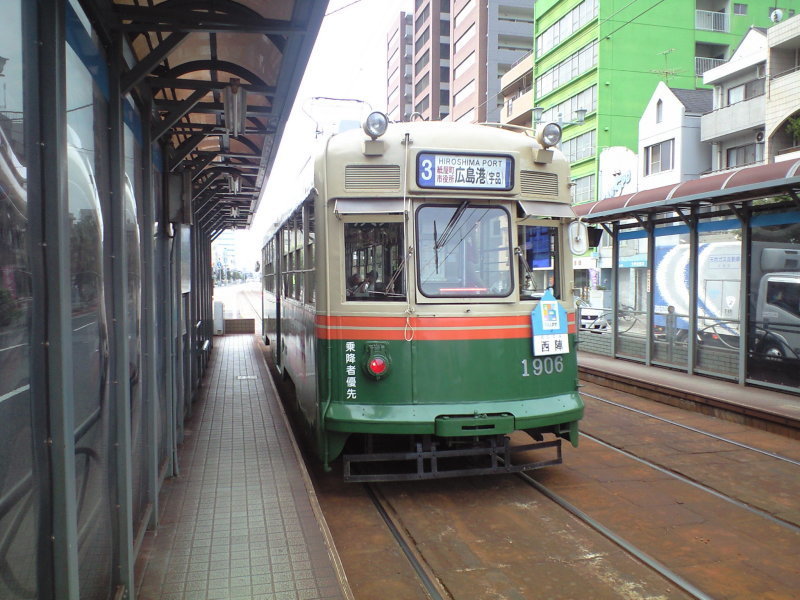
(759,137)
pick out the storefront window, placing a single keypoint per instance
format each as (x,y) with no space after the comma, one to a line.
(464,251)
(633,289)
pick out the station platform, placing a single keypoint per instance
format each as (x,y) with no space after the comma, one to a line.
(767,409)
(241,519)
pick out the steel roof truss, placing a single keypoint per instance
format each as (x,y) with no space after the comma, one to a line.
(151,61)
(188,145)
(181,109)
(196,84)
(147,19)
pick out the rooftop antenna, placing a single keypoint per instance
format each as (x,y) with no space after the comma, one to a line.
(666,73)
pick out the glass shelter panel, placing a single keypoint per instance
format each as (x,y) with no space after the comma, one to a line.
(719,306)
(670,324)
(632,295)
(774,325)
(88,169)
(20,480)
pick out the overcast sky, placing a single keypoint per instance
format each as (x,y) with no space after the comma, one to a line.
(348,61)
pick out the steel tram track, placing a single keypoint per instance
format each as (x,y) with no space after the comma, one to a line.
(436,591)
(428,580)
(634,551)
(738,503)
(694,429)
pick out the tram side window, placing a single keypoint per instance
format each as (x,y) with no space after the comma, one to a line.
(292,263)
(374,261)
(269,267)
(538,261)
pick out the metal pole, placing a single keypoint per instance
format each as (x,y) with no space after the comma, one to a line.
(744,292)
(120,363)
(150,370)
(651,259)
(52,332)
(615,285)
(694,246)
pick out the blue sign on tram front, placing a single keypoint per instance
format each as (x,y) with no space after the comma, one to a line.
(465,171)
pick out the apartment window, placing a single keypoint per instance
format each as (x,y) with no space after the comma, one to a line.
(444,51)
(583,190)
(566,26)
(423,104)
(392,99)
(444,97)
(735,94)
(464,93)
(422,62)
(571,67)
(745,91)
(423,16)
(579,147)
(465,37)
(422,39)
(422,84)
(740,9)
(754,88)
(586,99)
(742,155)
(444,75)
(464,65)
(659,111)
(465,10)
(467,117)
(658,157)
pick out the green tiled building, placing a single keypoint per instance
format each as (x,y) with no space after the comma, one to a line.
(606,56)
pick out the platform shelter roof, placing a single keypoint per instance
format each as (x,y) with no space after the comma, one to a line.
(728,187)
(221,77)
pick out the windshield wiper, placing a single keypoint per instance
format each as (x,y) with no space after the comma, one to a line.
(449,229)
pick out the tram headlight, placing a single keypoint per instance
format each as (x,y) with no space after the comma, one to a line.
(375,124)
(548,134)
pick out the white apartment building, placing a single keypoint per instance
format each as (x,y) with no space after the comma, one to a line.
(735,128)
(670,148)
(783,99)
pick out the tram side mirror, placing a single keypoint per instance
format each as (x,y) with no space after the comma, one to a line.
(578,234)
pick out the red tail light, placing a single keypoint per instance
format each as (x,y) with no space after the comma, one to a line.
(377,366)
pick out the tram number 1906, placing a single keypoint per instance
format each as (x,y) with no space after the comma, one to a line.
(542,366)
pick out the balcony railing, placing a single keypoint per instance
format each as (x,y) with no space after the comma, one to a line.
(703,64)
(710,20)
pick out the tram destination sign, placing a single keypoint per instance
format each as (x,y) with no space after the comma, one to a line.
(465,171)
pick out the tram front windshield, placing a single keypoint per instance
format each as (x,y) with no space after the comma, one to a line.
(464,251)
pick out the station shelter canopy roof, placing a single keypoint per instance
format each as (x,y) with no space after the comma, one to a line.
(739,185)
(222,76)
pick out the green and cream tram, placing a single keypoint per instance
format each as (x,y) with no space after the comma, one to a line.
(419,298)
